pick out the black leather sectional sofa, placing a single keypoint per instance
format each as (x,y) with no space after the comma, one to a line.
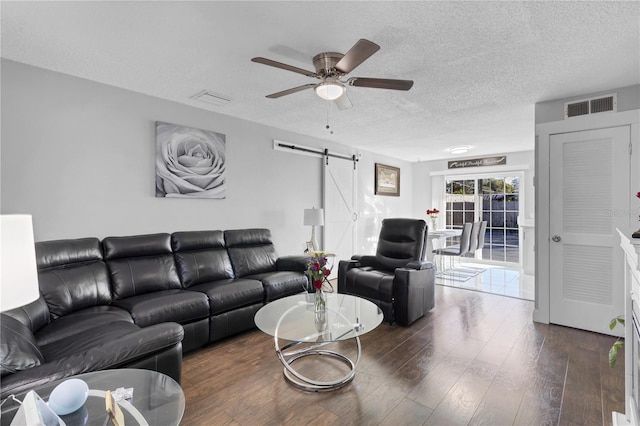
(140,302)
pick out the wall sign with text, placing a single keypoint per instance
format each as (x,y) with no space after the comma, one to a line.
(478,162)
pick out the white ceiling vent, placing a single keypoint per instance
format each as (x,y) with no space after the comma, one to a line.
(211,98)
(608,103)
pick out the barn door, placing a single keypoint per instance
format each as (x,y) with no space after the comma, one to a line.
(340,212)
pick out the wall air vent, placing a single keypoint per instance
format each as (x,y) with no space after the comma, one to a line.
(211,98)
(577,108)
(603,104)
(608,103)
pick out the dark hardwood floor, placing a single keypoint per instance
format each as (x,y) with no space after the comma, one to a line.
(475,359)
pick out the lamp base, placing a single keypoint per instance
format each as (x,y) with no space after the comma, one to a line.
(314,241)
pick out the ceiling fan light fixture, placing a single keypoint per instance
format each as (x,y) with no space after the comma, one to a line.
(462,149)
(330,90)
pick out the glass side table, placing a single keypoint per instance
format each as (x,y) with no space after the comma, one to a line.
(294,320)
(157,398)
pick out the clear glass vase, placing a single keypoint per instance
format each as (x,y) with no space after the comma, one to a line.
(320,302)
(321,322)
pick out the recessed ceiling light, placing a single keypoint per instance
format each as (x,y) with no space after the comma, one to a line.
(462,149)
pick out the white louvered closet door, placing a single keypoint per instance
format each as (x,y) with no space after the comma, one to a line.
(589,173)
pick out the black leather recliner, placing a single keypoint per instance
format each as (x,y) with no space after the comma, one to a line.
(396,278)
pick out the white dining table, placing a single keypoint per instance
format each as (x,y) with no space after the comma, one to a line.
(437,239)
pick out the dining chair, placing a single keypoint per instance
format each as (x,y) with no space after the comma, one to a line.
(481,235)
(473,239)
(457,250)
(474,243)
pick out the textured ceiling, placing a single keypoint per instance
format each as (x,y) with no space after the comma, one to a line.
(478,67)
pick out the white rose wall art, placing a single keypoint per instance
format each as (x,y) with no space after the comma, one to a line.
(190,163)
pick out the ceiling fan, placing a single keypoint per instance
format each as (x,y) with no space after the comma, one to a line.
(331,67)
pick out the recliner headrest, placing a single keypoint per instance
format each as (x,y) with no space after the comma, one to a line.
(401,241)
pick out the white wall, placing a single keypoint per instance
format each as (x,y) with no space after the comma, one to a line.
(374,208)
(79,156)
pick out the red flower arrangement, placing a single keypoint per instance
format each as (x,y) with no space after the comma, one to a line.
(434,212)
(317,270)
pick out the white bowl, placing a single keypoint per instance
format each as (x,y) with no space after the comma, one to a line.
(68,396)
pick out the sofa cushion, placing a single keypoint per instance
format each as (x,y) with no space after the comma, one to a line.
(140,264)
(179,306)
(201,257)
(18,347)
(227,295)
(280,284)
(251,251)
(100,334)
(292,263)
(72,275)
(81,322)
(136,246)
(50,254)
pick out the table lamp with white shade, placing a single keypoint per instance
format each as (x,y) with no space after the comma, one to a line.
(18,270)
(314,217)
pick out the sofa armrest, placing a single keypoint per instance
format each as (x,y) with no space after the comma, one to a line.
(296,263)
(366,260)
(419,264)
(103,356)
(343,268)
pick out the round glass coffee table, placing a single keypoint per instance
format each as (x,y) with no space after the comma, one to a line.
(157,399)
(293,319)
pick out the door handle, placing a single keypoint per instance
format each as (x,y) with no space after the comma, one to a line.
(556,238)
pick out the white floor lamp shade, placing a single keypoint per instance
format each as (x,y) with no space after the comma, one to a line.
(314,217)
(18,270)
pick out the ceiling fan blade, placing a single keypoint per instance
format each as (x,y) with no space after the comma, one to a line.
(290,91)
(280,65)
(380,83)
(343,102)
(359,53)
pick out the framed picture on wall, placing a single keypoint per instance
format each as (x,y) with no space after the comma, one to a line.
(190,163)
(387,180)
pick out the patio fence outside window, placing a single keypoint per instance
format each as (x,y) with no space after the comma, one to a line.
(495,200)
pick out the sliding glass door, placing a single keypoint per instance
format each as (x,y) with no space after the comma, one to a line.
(461,202)
(494,198)
(500,207)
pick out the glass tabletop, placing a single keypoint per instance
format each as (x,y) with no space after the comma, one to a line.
(293,318)
(156,397)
